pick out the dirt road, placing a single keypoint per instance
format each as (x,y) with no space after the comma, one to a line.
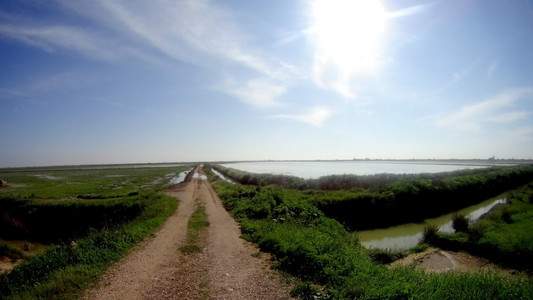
(226,268)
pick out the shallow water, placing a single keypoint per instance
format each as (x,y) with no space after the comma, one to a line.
(180,178)
(315,169)
(199,176)
(406,236)
(222,176)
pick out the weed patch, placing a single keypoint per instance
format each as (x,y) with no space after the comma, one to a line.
(197,222)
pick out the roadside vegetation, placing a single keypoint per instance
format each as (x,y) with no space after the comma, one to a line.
(373,201)
(89,218)
(293,226)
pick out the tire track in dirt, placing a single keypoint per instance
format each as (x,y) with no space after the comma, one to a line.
(225,269)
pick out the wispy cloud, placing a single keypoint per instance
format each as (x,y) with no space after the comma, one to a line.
(197,32)
(54,38)
(316,117)
(473,116)
(492,68)
(413,10)
(260,93)
(522,134)
(10,93)
(194,31)
(509,117)
(460,75)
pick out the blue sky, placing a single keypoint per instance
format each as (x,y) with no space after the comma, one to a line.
(98,81)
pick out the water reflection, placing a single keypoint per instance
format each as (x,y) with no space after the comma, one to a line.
(405,236)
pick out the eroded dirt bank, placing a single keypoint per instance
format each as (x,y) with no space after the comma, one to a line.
(436,260)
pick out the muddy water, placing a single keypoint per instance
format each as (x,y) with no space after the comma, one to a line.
(405,236)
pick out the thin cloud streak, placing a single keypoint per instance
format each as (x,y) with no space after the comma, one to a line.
(202,34)
(413,10)
(50,38)
(259,93)
(492,68)
(470,117)
(316,117)
(509,117)
(194,32)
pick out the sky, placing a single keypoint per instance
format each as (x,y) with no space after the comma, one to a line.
(131,81)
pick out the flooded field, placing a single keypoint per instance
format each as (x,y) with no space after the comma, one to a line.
(315,169)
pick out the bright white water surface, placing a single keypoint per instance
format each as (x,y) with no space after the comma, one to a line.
(315,169)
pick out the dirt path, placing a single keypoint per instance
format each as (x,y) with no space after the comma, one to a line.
(225,269)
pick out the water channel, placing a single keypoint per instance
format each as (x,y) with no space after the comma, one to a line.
(405,236)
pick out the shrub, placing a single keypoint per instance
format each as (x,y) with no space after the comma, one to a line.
(430,233)
(384,257)
(420,248)
(305,291)
(460,223)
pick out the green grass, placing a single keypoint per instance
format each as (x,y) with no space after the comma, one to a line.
(63,270)
(197,222)
(365,202)
(83,183)
(318,250)
(128,205)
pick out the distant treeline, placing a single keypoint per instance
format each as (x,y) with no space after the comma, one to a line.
(362,202)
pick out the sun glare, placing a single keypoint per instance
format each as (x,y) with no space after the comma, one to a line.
(348,36)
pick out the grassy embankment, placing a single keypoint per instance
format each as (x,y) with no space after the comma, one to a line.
(92,217)
(504,235)
(372,201)
(306,243)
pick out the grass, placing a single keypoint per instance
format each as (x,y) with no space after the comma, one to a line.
(197,222)
(63,269)
(75,183)
(364,202)
(318,250)
(132,208)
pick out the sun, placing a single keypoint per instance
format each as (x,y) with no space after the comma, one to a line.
(348,36)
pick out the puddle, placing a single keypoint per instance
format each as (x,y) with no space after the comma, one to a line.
(198,176)
(178,179)
(49,177)
(222,176)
